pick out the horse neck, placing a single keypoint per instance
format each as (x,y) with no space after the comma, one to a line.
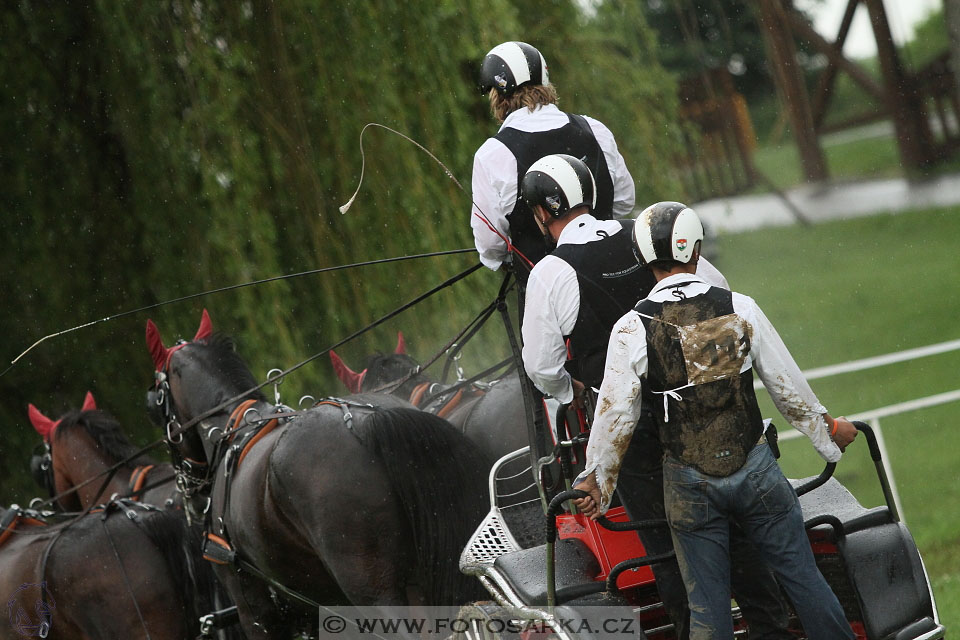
(78,460)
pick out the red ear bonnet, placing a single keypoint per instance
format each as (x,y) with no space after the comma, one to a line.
(401,344)
(158,352)
(89,404)
(206,327)
(349,377)
(41,423)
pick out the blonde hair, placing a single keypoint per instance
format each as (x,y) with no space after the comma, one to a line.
(530,96)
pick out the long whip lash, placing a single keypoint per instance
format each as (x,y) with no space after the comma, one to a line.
(236,286)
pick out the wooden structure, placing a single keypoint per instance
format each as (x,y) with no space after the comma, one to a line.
(907,99)
(718,137)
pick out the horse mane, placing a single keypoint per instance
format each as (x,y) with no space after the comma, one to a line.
(440,477)
(105,432)
(179,545)
(225,359)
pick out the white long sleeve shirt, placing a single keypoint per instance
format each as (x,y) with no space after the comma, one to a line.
(552,307)
(495,178)
(618,407)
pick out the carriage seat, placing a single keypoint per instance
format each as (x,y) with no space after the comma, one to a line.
(876,571)
(526,569)
(834,499)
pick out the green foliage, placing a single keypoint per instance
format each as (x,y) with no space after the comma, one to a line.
(153,150)
(929,40)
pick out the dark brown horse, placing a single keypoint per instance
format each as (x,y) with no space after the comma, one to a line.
(492,417)
(362,501)
(127,572)
(85,443)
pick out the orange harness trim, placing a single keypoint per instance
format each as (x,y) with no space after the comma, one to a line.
(448,408)
(267,428)
(7,533)
(212,556)
(137,479)
(417,394)
(237,415)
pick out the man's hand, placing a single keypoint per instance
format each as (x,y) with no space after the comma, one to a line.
(589,506)
(846,432)
(579,391)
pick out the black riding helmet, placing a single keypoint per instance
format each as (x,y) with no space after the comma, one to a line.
(559,183)
(511,65)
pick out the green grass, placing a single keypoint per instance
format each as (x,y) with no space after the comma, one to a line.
(853,289)
(868,158)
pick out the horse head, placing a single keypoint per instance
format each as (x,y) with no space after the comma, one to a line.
(41,462)
(381,370)
(190,379)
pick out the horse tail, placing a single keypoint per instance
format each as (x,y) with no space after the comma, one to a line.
(440,477)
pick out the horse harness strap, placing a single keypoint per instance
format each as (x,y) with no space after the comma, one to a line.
(216,546)
(13,518)
(137,479)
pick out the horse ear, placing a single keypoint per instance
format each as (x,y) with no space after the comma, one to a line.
(89,404)
(347,375)
(206,327)
(43,425)
(158,352)
(401,344)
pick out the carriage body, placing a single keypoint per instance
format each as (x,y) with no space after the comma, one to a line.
(867,556)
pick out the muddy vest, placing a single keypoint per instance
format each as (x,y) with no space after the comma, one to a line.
(706,410)
(611,282)
(574,138)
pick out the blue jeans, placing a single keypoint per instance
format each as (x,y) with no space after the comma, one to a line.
(758,497)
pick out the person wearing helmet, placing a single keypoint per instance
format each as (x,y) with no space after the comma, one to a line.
(695,347)
(577,293)
(515,76)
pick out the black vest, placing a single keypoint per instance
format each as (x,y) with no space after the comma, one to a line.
(611,282)
(717,422)
(574,138)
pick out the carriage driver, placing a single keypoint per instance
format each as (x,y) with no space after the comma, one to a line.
(514,74)
(695,347)
(578,292)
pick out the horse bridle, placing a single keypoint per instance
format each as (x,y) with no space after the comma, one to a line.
(41,467)
(192,476)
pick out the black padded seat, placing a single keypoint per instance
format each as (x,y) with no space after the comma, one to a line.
(526,570)
(833,499)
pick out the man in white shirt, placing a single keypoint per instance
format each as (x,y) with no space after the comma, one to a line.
(522,98)
(577,293)
(695,346)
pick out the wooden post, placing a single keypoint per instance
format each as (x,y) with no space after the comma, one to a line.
(909,116)
(782,54)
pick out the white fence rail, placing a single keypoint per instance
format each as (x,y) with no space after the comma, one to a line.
(873,416)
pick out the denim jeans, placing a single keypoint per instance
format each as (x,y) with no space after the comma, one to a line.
(640,489)
(759,498)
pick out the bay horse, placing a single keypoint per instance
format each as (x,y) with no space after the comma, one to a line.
(360,501)
(83,444)
(129,571)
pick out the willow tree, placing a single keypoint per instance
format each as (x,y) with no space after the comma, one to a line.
(153,150)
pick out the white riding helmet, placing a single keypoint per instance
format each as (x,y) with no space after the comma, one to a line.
(559,183)
(667,231)
(511,65)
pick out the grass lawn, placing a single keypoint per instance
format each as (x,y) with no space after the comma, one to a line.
(853,289)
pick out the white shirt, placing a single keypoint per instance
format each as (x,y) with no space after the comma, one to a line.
(552,306)
(618,407)
(495,178)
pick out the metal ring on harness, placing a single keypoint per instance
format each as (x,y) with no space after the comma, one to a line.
(170,423)
(276,383)
(245,413)
(312,399)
